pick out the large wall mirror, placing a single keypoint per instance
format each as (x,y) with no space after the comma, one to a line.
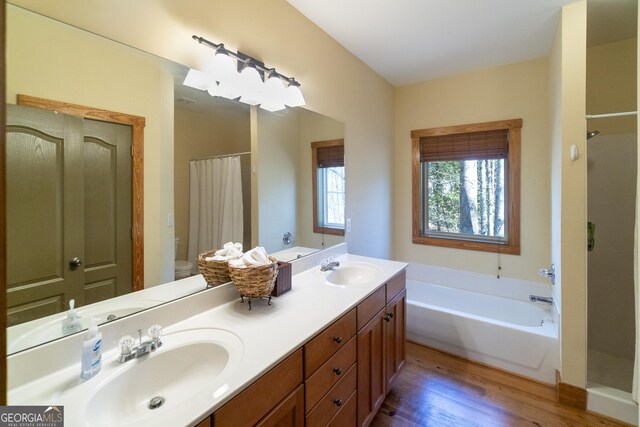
(183,127)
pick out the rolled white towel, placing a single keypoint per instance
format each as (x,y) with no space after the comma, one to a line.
(238,263)
(256,256)
(230,250)
(216,258)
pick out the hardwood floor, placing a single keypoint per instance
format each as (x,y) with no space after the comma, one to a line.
(441,390)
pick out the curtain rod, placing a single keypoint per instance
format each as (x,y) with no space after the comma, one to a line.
(222,155)
(604,116)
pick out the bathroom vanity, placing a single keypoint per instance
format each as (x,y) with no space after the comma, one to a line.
(324,353)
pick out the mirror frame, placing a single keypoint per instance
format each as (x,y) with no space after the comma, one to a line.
(3,217)
(137,123)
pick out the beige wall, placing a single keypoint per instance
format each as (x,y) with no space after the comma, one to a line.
(313,127)
(334,82)
(81,68)
(569,217)
(277,167)
(611,85)
(508,92)
(199,135)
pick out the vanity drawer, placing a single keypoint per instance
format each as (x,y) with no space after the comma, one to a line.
(396,284)
(329,374)
(346,416)
(370,306)
(326,343)
(333,401)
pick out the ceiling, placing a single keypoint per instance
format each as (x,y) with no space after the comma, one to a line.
(410,41)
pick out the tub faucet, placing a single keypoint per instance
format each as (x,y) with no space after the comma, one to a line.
(329,264)
(127,349)
(536,298)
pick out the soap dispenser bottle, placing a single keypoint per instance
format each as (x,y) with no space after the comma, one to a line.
(92,351)
(72,323)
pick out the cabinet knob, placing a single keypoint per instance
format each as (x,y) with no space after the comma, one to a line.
(337,339)
(75,262)
(338,371)
(338,402)
(387,318)
(390,314)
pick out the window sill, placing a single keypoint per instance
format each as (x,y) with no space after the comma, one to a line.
(327,230)
(512,248)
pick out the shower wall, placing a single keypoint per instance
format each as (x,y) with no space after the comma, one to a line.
(611,182)
(611,171)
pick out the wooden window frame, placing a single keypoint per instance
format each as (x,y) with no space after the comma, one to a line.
(137,124)
(512,193)
(317,228)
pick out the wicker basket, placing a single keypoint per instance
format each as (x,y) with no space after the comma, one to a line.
(214,272)
(256,281)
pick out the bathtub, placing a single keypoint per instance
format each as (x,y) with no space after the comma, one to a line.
(506,333)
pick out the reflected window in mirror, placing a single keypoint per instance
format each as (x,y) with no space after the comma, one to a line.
(328,186)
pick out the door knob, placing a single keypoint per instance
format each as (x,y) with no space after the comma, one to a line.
(75,262)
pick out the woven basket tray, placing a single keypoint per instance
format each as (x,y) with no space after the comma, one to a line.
(256,281)
(214,272)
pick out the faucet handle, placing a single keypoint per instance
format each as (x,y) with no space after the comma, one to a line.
(126,344)
(155,333)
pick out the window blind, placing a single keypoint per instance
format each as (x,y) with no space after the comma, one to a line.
(330,156)
(483,145)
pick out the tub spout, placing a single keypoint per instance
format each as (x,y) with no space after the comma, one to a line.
(536,298)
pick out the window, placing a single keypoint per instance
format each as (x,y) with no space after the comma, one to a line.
(466,186)
(328,186)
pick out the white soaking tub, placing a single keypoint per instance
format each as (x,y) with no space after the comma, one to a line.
(510,334)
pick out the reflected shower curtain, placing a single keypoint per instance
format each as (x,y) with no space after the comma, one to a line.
(215,205)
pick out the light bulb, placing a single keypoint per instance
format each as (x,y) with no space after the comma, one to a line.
(274,91)
(221,67)
(293,96)
(251,86)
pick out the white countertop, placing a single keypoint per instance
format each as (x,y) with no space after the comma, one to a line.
(268,333)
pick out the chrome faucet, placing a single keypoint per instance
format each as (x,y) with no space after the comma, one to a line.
(549,273)
(536,298)
(127,349)
(329,264)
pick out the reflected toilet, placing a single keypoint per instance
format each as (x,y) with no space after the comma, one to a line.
(182,267)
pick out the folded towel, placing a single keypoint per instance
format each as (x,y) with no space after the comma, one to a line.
(254,257)
(229,251)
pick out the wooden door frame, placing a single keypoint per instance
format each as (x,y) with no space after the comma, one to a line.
(138,124)
(3,217)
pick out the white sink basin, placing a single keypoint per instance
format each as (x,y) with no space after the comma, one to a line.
(353,273)
(189,366)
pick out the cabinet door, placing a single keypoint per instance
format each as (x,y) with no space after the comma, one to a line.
(371,378)
(395,334)
(288,413)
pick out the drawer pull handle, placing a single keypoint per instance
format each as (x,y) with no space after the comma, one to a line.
(337,339)
(338,402)
(338,371)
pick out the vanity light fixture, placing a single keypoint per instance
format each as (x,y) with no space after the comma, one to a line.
(235,75)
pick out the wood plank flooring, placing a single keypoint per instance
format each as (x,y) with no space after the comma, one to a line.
(440,390)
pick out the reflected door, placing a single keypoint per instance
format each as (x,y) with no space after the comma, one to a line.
(68,212)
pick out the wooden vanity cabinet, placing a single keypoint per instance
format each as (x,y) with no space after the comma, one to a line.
(381,345)
(338,378)
(275,399)
(331,374)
